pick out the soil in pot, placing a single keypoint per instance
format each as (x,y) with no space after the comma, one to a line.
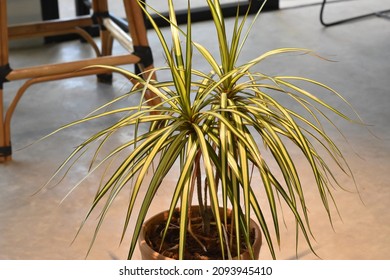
(194,250)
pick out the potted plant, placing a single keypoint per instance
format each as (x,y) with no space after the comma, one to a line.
(219,127)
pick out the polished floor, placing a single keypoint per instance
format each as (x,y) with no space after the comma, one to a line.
(42,225)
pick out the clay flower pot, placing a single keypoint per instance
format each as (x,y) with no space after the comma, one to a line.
(148,253)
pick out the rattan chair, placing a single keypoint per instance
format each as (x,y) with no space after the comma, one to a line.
(135,42)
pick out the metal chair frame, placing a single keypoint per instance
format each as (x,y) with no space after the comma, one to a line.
(383,13)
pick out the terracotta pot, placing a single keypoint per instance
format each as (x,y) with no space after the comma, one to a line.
(148,253)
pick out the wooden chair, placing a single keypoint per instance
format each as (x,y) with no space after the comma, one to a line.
(135,42)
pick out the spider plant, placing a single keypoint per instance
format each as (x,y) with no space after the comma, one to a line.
(220,127)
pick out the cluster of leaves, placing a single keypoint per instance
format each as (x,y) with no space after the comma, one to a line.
(217,126)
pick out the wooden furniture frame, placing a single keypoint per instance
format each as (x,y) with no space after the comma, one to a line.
(135,42)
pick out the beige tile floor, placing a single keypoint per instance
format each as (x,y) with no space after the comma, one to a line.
(40,226)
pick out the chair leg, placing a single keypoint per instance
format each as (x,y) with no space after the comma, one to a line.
(107,42)
(138,33)
(5,145)
(100,10)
